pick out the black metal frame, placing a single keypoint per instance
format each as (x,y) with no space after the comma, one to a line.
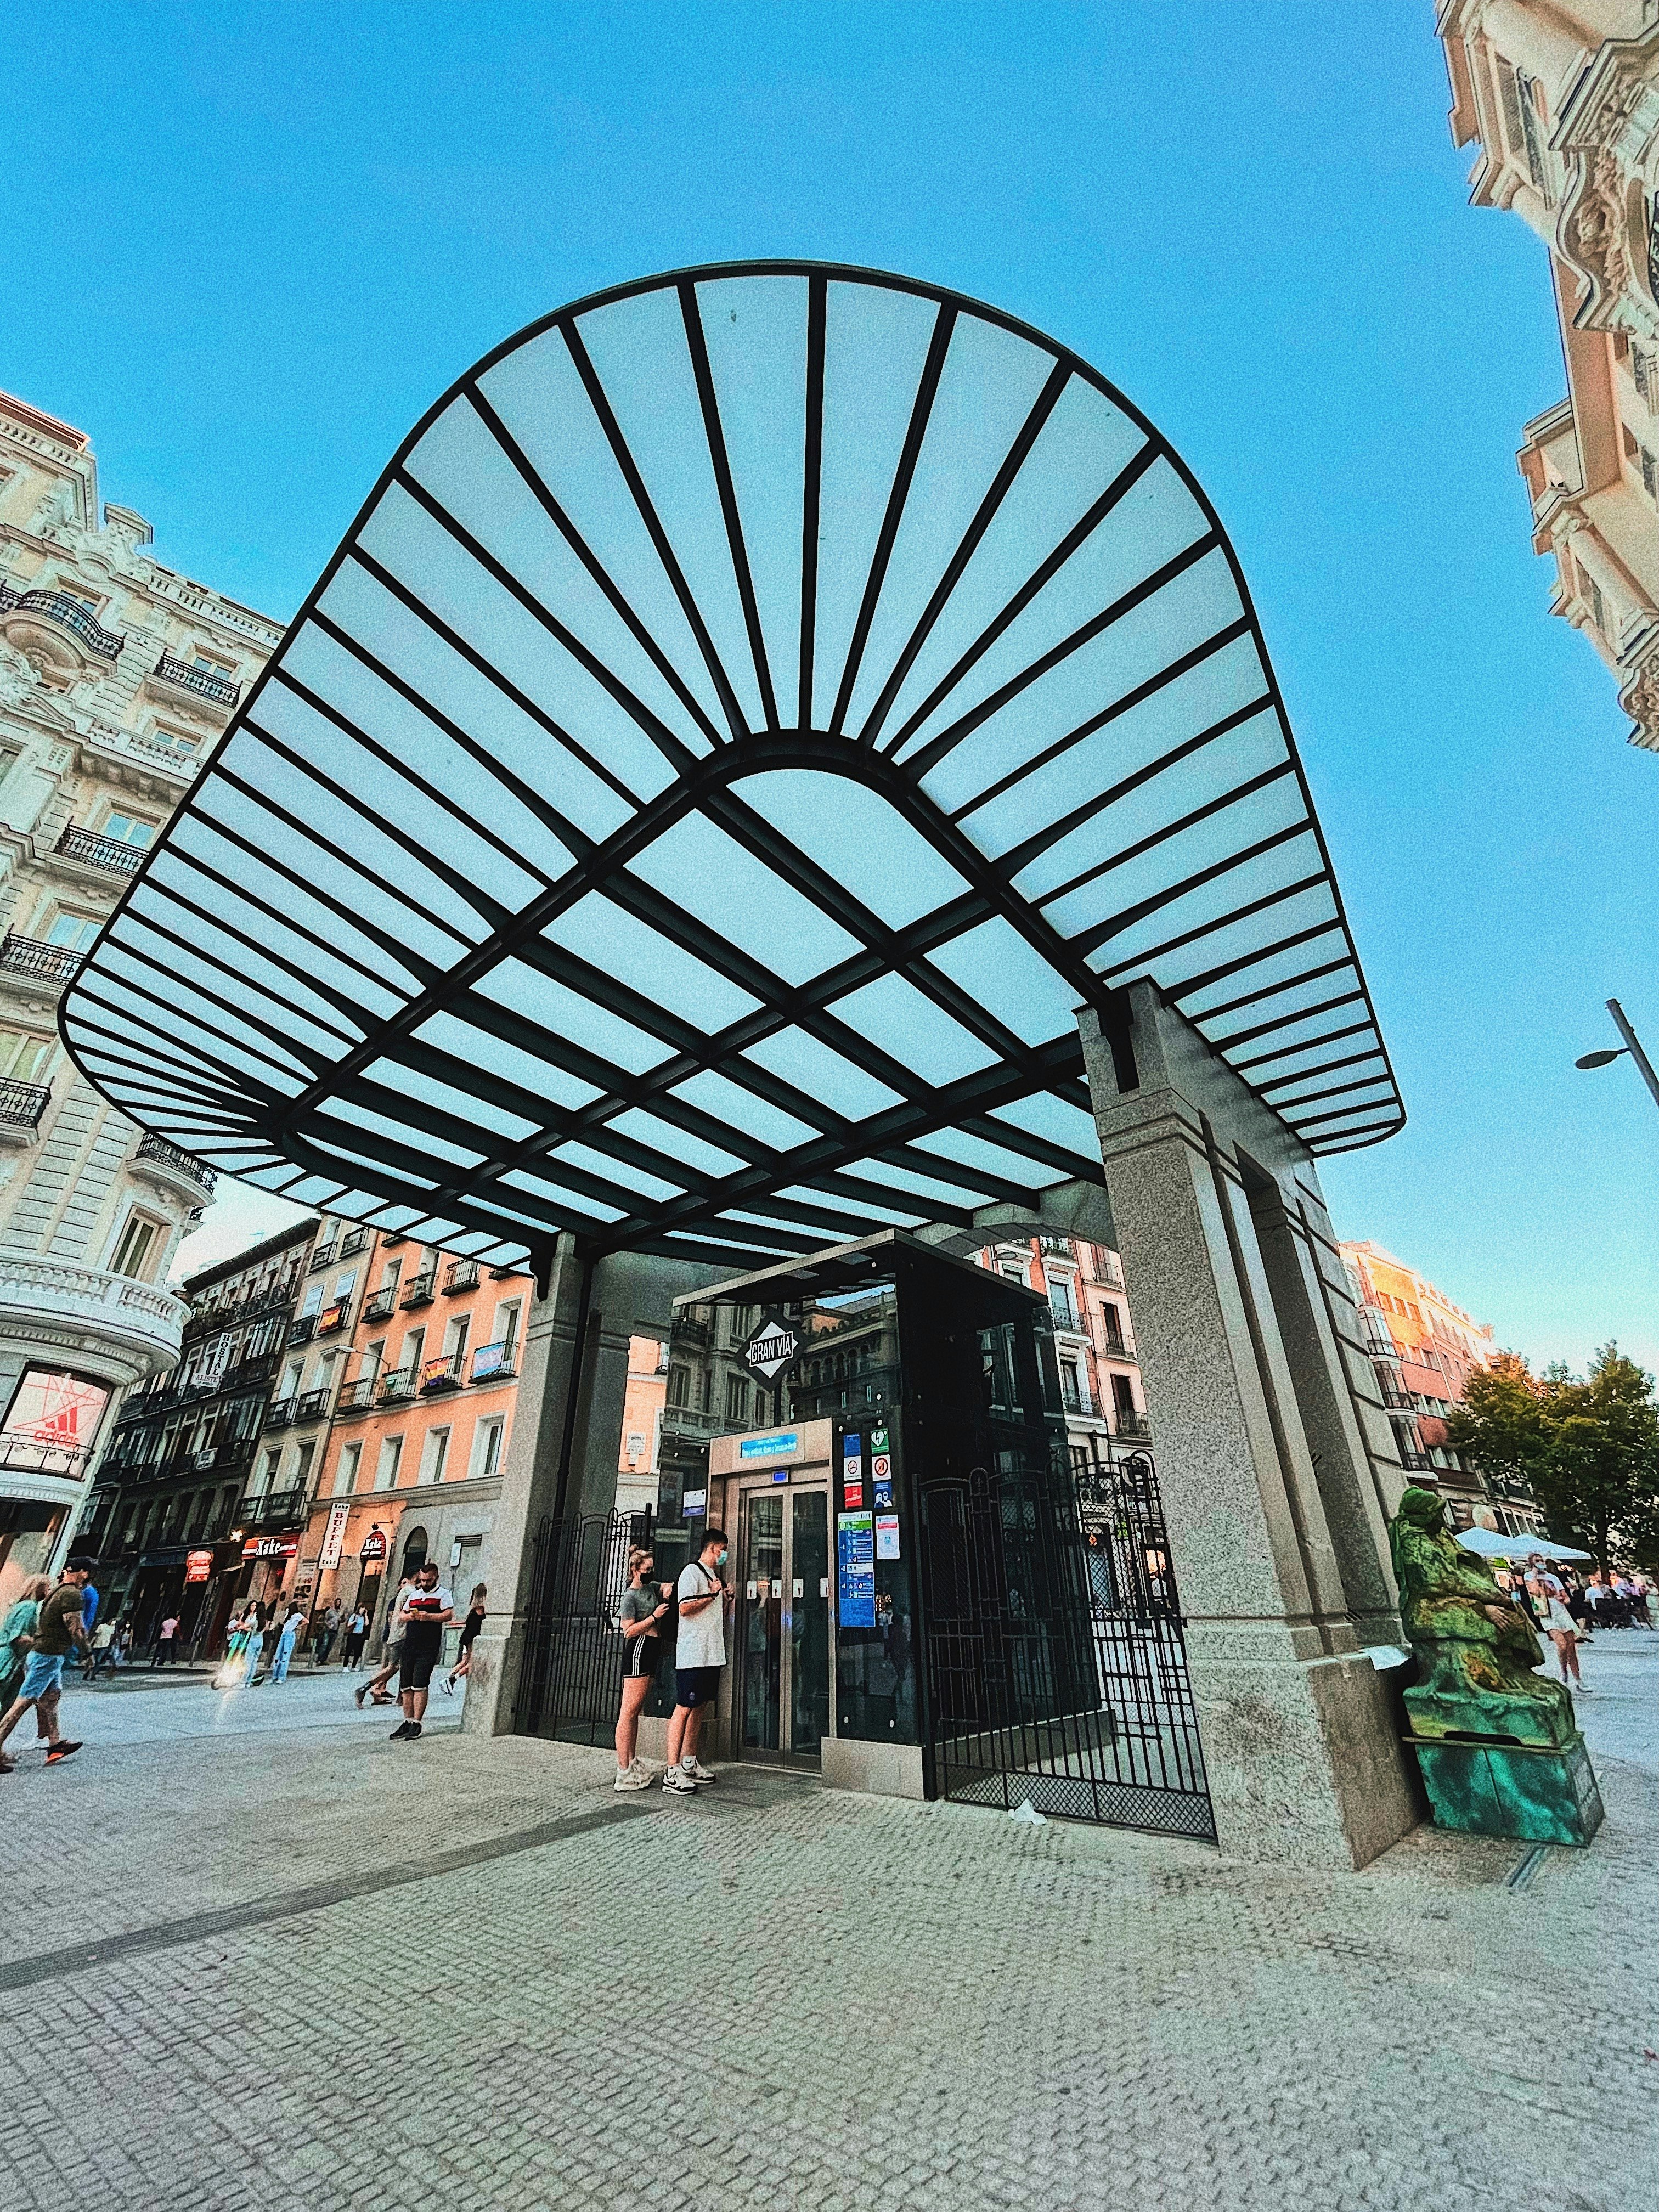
(302,1099)
(570,1681)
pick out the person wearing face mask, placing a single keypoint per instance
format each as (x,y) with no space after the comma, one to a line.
(704,1602)
(643,1610)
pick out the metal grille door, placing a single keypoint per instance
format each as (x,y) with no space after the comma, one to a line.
(571,1682)
(1057,1664)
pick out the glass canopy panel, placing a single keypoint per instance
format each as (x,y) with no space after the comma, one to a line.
(527,886)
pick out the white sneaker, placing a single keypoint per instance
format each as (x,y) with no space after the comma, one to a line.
(697,1771)
(678,1784)
(631,1778)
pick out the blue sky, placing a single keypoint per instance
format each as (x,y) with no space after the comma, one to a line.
(247,246)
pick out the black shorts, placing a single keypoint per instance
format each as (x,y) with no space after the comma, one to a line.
(420,1656)
(697,1686)
(640,1661)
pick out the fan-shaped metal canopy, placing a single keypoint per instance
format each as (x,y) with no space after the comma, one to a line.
(756,708)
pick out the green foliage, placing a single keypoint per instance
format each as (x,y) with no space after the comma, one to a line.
(1586,1448)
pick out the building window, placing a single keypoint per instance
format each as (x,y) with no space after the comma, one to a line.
(486,1449)
(23,1057)
(128,830)
(73,932)
(345,1474)
(677,1381)
(137,1251)
(392,1451)
(302,1467)
(1071,1387)
(737,1399)
(434,1455)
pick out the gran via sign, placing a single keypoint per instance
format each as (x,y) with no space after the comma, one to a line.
(772,1347)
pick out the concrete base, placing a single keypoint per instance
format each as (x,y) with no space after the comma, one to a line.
(878,1770)
(1302,1758)
(1546,1796)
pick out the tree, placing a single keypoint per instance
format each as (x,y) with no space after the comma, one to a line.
(1501,1424)
(1599,1481)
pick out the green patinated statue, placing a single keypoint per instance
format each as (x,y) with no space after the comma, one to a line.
(1476,1650)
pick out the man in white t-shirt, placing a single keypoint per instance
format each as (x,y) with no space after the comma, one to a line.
(699,1657)
(423,1611)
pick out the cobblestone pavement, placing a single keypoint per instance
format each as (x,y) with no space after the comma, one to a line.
(254,1955)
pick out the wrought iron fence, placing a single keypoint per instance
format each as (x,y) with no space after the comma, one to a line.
(1056,1662)
(571,1685)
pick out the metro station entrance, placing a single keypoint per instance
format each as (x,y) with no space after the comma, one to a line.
(781,1689)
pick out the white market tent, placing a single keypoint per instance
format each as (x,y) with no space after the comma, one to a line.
(1492,1543)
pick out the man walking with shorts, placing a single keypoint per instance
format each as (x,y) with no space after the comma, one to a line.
(704,1602)
(424,1611)
(59,1629)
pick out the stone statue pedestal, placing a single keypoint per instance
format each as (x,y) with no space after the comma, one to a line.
(1536,1793)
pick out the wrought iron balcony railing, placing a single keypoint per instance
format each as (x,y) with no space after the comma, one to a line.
(419,1292)
(59,607)
(322,1257)
(379,1304)
(1116,1347)
(494,1363)
(47,963)
(168,1155)
(353,1242)
(279,1412)
(399,1384)
(206,683)
(1135,1426)
(332,1319)
(111,853)
(311,1405)
(277,1508)
(357,1397)
(463,1275)
(302,1329)
(444,1373)
(21,1105)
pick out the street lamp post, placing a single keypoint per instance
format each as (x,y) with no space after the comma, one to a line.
(1632,1045)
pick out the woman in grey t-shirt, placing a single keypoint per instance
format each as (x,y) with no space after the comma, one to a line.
(644,1609)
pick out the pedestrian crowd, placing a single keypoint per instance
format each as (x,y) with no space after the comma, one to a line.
(1569,1609)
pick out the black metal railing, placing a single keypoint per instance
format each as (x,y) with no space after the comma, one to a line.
(462,1275)
(277,1508)
(570,1684)
(206,683)
(168,1155)
(332,1319)
(400,1383)
(445,1374)
(69,614)
(1065,1314)
(494,1363)
(21,1105)
(323,1257)
(110,853)
(1116,1347)
(1059,1246)
(353,1242)
(357,1397)
(279,1412)
(1133,1427)
(419,1292)
(302,1329)
(47,963)
(378,1305)
(1076,1698)
(310,1405)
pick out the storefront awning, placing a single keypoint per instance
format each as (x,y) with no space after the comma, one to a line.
(754,711)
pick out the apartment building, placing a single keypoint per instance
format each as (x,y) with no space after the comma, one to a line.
(181,1517)
(1562,99)
(423,1379)
(116,676)
(643,1406)
(1100,1383)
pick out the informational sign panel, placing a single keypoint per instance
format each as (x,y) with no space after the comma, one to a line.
(855,1560)
(783,1444)
(373,1545)
(53,1420)
(887,1536)
(774,1346)
(199,1566)
(334,1535)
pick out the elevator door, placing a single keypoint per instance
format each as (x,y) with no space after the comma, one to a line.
(782,1701)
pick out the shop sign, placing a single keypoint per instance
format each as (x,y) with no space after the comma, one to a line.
(334,1534)
(199,1566)
(773,1347)
(373,1545)
(51,1421)
(271,1548)
(784,1444)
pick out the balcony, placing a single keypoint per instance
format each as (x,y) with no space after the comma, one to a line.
(41,963)
(419,1292)
(1116,1347)
(357,1397)
(1133,1428)
(205,683)
(1059,1246)
(446,1372)
(19,1455)
(302,1329)
(311,1405)
(353,1242)
(278,1508)
(1065,1316)
(495,1362)
(322,1257)
(21,1105)
(69,613)
(505,1274)
(379,1304)
(174,1159)
(393,1388)
(463,1275)
(335,1318)
(134,1324)
(279,1412)
(110,853)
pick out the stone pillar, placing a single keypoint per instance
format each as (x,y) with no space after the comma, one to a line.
(1268,1494)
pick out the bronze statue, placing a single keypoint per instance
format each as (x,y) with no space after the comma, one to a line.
(1476,1650)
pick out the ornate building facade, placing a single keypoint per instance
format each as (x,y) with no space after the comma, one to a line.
(1563,100)
(116,676)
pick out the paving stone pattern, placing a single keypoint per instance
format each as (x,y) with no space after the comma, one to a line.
(775,1995)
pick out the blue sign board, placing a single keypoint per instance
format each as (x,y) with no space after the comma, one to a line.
(855,1561)
(773,1447)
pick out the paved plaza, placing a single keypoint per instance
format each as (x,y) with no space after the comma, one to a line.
(257,1955)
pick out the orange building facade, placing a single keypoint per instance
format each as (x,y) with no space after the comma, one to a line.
(422,1413)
